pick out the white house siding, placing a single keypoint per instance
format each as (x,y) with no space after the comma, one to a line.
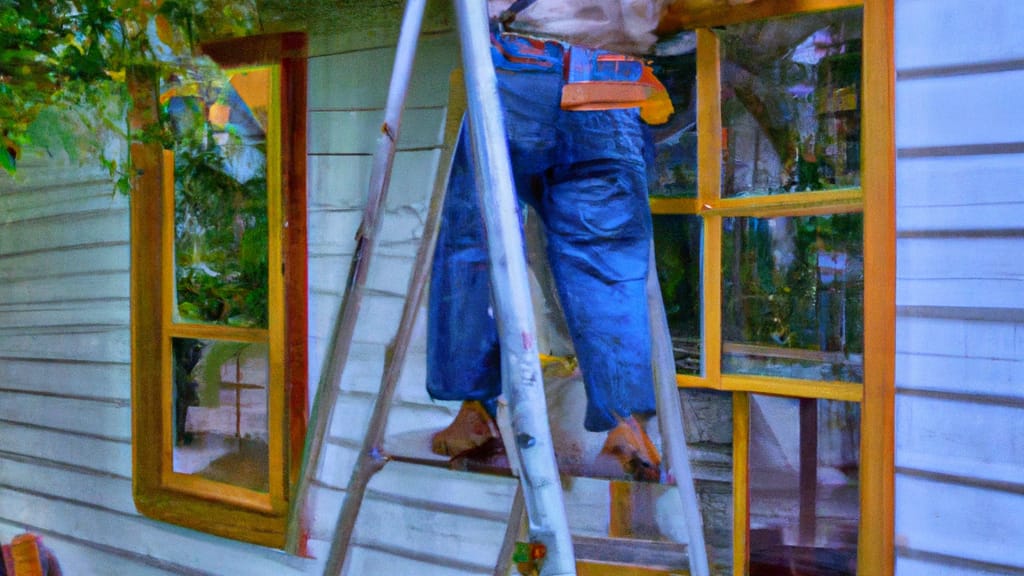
(960,287)
(65,388)
(414,519)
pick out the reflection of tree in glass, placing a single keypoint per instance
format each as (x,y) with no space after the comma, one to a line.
(773,297)
(220,224)
(784,73)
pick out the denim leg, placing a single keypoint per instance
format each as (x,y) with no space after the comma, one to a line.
(463,356)
(599,234)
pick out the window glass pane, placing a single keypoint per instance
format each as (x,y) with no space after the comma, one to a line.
(220,196)
(804,486)
(793,297)
(674,170)
(791,103)
(677,242)
(219,411)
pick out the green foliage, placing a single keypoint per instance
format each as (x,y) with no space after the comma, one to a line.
(221,235)
(64,66)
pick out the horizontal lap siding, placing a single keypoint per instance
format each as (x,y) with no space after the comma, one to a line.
(414,519)
(65,387)
(960,287)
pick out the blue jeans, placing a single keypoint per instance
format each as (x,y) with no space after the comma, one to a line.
(585,174)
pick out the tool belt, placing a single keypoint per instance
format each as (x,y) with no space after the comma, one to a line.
(601,80)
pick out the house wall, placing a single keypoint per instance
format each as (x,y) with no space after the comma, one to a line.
(960,294)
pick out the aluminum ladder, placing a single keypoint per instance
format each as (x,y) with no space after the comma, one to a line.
(539,488)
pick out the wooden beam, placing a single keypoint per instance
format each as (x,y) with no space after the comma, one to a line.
(877,471)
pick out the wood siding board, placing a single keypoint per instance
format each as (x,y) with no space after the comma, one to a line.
(968,433)
(66,199)
(963,182)
(960,375)
(88,344)
(340,182)
(939,33)
(359,80)
(81,259)
(79,485)
(959,110)
(147,537)
(72,415)
(89,558)
(78,313)
(910,561)
(357,131)
(100,454)
(960,521)
(100,380)
(63,231)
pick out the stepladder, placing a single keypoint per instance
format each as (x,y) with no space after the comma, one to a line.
(549,547)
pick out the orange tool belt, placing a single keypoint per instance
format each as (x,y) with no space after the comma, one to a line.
(601,80)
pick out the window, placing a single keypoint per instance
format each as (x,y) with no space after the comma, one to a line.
(219,292)
(773,214)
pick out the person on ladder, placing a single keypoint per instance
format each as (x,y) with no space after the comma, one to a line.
(574,102)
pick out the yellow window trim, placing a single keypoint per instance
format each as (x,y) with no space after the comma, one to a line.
(875,198)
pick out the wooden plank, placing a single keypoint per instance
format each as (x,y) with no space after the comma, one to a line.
(81,313)
(94,344)
(103,455)
(106,419)
(89,286)
(90,192)
(973,110)
(935,182)
(943,518)
(356,131)
(109,257)
(359,80)
(79,379)
(961,430)
(388,274)
(157,540)
(66,483)
(339,182)
(984,374)
(104,226)
(933,33)
(75,553)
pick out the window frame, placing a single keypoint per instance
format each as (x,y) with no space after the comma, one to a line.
(875,198)
(159,492)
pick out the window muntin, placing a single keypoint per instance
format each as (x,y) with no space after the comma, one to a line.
(716,204)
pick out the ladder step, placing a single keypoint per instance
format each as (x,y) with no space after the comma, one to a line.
(414,447)
(653,554)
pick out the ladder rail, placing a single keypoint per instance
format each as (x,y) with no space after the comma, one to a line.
(371,458)
(366,239)
(671,420)
(522,379)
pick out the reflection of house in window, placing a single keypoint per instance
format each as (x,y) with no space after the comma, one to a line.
(225,434)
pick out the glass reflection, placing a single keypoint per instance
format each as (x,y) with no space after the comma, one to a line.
(791,103)
(220,197)
(677,241)
(673,172)
(793,297)
(220,411)
(804,486)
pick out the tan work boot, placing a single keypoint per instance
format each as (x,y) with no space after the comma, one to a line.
(629,445)
(472,428)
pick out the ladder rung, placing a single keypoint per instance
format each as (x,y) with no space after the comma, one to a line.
(655,554)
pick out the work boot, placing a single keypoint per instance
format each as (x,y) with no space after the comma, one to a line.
(472,428)
(629,446)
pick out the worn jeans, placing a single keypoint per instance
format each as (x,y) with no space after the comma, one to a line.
(585,174)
